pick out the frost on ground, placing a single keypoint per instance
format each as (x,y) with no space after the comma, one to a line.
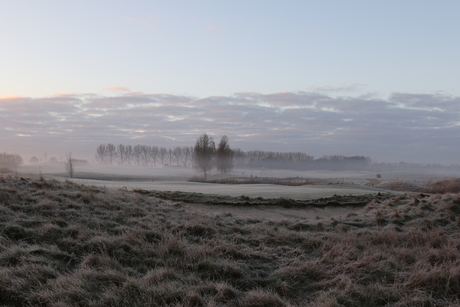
(68,244)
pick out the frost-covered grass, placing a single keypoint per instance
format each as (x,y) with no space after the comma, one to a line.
(66,244)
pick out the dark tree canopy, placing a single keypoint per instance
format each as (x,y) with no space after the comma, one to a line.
(224,156)
(204,152)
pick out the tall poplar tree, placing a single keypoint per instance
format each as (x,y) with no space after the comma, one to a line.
(224,156)
(204,152)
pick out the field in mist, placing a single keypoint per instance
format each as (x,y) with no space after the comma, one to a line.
(139,237)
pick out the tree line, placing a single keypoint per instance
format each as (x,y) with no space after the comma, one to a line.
(205,155)
(144,155)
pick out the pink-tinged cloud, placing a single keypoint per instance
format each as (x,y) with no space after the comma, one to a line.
(118,89)
(10,97)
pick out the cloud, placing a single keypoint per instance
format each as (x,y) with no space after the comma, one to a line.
(427,102)
(335,89)
(118,89)
(311,122)
(10,97)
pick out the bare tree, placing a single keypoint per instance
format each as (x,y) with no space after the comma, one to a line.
(154,150)
(224,156)
(69,165)
(137,153)
(187,154)
(129,153)
(162,155)
(111,152)
(101,153)
(177,154)
(192,156)
(204,152)
(239,157)
(170,156)
(121,153)
(145,154)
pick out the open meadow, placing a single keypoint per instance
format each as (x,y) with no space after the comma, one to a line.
(124,237)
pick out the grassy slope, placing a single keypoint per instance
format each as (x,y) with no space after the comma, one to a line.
(63,244)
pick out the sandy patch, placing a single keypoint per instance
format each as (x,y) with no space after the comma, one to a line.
(372,182)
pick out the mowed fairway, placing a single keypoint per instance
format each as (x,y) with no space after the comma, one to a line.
(250,190)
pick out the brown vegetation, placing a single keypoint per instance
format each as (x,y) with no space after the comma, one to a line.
(451,185)
(63,244)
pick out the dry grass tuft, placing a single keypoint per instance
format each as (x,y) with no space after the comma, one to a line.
(451,185)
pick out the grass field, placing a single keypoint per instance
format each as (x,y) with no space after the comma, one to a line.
(68,244)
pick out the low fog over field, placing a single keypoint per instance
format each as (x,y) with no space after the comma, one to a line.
(252,183)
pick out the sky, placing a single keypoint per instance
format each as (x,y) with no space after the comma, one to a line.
(373,78)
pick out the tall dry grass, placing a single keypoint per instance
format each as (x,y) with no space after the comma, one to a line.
(450,185)
(63,244)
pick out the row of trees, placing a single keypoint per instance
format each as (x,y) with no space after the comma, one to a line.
(143,155)
(224,158)
(205,155)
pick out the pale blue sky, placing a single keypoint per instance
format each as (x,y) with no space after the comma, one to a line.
(344,50)
(204,48)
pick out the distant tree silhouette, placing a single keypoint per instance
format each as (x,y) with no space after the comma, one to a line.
(178,154)
(162,155)
(11,161)
(187,153)
(224,156)
(69,165)
(121,153)
(111,152)
(154,151)
(204,152)
(101,153)
(34,160)
(170,155)
(53,160)
(145,154)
